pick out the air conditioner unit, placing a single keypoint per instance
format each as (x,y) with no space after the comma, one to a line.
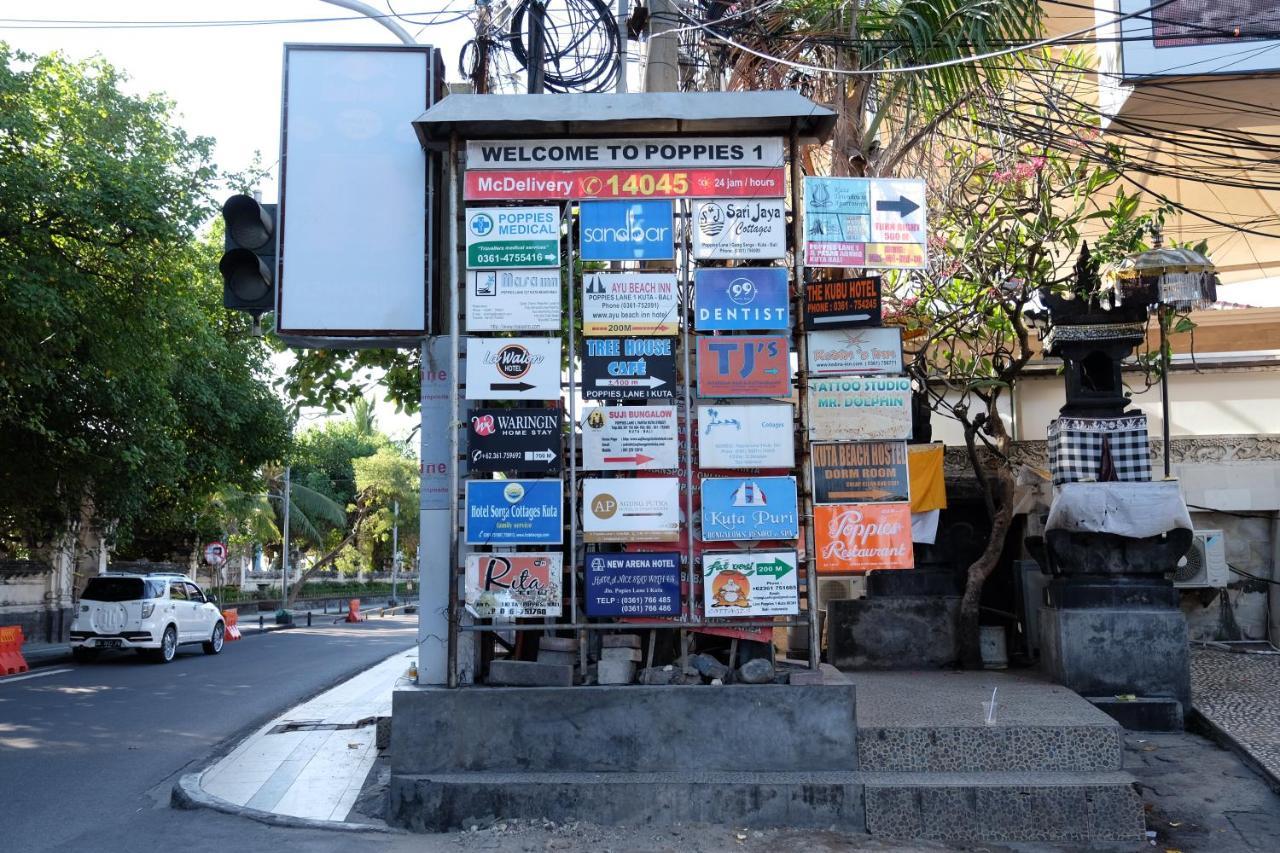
(831,589)
(1205,565)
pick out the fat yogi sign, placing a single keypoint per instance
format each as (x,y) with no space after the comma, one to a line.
(625,153)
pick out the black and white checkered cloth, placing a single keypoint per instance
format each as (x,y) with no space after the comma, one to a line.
(1075,448)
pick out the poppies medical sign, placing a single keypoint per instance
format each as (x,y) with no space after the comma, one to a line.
(860,352)
(857,408)
(640,510)
(630,438)
(633,584)
(626,231)
(761,583)
(856,538)
(741,299)
(513,369)
(513,301)
(627,368)
(629,304)
(513,586)
(744,366)
(759,436)
(514,512)
(728,228)
(749,508)
(512,237)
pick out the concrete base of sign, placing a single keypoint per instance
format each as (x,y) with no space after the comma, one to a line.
(757,755)
(893,632)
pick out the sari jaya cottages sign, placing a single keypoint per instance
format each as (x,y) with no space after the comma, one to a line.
(857,408)
(629,304)
(640,510)
(727,228)
(629,438)
(762,583)
(513,237)
(860,471)
(513,301)
(513,585)
(856,538)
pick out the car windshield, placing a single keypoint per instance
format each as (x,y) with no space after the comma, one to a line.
(120,589)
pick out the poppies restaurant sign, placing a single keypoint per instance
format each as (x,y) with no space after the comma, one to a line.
(856,538)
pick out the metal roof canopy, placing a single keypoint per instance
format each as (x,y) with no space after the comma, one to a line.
(535,116)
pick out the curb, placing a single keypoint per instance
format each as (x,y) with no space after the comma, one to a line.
(1198,720)
(188,795)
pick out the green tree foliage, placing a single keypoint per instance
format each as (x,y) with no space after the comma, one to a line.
(126,390)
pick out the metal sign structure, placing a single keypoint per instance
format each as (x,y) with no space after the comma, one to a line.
(843,304)
(513,237)
(864,222)
(526,441)
(630,438)
(628,368)
(632,303)
(744,366)
(746,436)
(513,369)
(744,299)
(855,352)
(513,301)
(633,585)
(860,472)
(749,508)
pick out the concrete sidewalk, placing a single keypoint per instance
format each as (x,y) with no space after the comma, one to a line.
(311,761)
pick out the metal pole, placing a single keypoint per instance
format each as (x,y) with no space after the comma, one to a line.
(573,433)
(686,294)
(377,15)
(621,85)
(284,552)
(452,307)
(802,364)
(1163,317)
(395,550)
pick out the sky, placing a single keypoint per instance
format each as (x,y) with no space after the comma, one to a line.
(225,80)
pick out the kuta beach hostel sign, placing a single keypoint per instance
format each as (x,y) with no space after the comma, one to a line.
(749,508)
(626,230)
(513,585)
(747,228)
(514,512)
(512,237)
(629,304)
(741,299)
(758,583)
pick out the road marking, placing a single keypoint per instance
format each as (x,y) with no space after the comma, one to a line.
(9,679)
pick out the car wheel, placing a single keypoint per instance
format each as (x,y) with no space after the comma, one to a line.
(214,645)
(83,654)
(168,646)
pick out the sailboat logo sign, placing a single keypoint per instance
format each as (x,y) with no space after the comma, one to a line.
(749,508)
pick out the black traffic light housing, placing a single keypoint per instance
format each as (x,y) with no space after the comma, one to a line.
(248,263)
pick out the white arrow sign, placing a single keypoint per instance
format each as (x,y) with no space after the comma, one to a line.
(539,455)
(627,382)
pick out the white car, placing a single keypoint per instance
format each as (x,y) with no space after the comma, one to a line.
(153,614)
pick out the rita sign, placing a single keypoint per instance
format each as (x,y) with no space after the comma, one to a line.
(513,585)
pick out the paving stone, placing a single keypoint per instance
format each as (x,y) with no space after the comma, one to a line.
(658,675)
(804,676)
(556,657)
(521,673)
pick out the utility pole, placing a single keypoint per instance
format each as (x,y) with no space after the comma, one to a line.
(536,69)
(621,86)
(395,551)
(662,66)
(284,551)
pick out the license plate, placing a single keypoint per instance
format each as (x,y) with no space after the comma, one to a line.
(108,644)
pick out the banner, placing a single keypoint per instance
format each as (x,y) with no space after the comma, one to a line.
(629,438)
(856,222)
(860,471)
(510,185)
(855,538)
(853,408)
(763,583)
(526,441)
(856,352)
(514,512)
(628,368)
(513,586)
(513,369)
(506,237)
(629,303)
(747,508)
(741,299)
(626,231)
(513,301)
(725,228)
(696,151)
(751,436)
(843,304)
(640,510)
(633,584)
(744,366)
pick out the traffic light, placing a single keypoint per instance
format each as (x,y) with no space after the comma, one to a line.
(248,263)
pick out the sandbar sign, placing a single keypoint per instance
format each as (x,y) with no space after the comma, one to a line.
(855,538)
(630,438)
(857,352)
(748,508)
(627,230)
(750,436)
(640,510)
(633,584)
(629,304)
(513,585)
(860,472)
(843,304)
(744,366)
(754,583)
(513,237)
(513,369)
(514,512)
(726,228)
(741,299)
(513,301)
(527,441)
(856,408)
(628,368)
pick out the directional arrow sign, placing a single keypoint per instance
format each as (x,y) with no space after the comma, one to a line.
(775,569)
(750,584)
(511,386)
(513,369)
(903,206)
(629,438)
(638,459)
(540,455)
(628,368)
(647,382)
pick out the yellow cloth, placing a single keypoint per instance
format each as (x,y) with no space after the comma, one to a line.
(924,468)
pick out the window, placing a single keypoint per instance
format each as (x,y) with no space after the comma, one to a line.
(178,591)
(194,593)
(116,589)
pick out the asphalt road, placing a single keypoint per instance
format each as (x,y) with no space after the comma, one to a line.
(89,752)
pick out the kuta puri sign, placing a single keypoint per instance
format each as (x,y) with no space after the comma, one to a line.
(641,510)
(513,237)
(513,585)
(750,584)
(749,508)
(513,369)
(858,408)
(855,538)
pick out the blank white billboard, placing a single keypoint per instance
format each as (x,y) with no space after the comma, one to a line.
(354,227)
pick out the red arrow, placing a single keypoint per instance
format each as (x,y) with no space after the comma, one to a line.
(638,459)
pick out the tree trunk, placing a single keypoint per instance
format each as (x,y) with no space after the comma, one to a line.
(1001,483)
